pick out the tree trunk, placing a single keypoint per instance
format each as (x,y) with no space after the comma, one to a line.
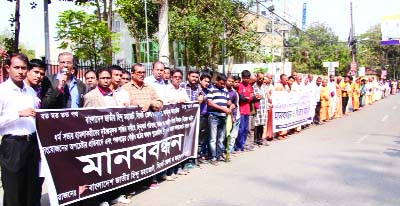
(98,10)
(171,54)
(110,26)
(105,11)
(137,48)
(163,40)
(17,27)
(214,65)
(187,64)
(230,64)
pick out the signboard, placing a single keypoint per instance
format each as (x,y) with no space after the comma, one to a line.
(88,152)
(331,67)
(353,66)
(384,74)
(292,110)
(361,71)
(390,27)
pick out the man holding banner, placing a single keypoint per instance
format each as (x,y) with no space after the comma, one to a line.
(19,152)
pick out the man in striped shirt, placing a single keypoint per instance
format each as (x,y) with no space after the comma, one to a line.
(219,106)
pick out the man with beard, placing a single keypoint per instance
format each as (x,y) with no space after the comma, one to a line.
(261,106)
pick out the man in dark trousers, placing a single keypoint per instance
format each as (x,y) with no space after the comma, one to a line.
(68,91)
(19,152)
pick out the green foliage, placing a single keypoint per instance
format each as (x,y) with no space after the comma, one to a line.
(86,36)
(132,12)
(317,45)
(260,69)
(372,54)
(6,42)
(206,26)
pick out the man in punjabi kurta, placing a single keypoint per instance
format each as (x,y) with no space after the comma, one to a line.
(356,92)
(325,101)
(338,112)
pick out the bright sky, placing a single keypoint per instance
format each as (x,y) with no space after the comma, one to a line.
(336,13)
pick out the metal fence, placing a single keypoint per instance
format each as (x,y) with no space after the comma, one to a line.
(82,68)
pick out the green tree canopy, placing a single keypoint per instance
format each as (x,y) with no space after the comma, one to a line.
(86,36)
(316,45)
(206,26)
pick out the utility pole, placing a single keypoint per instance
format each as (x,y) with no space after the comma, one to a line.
(163,39)
(273,42)
(46,34)
(353,40)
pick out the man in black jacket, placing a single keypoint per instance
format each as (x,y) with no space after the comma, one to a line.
(67,90)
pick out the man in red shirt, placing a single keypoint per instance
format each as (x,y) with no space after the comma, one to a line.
(246,96)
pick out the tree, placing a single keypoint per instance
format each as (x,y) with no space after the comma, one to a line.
(131,11)
(316,45)
(205,27)
(372,54)
(6,42)
(85,35)
(15,22)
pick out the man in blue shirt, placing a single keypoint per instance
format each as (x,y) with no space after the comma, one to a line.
(205,80)
(219,106)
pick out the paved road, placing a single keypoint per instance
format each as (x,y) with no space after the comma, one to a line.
(351,161)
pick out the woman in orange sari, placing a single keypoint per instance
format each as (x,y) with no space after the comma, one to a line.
(356,88)
(325,101)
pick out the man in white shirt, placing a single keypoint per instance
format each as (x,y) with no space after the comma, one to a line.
(156,80)
(120,94)
(333,99)
(176,94)
(19,152)
(317,99)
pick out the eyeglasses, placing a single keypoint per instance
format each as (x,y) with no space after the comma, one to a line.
(103,78)
(177,77)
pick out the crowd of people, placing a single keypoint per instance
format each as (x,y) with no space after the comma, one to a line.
(235,111)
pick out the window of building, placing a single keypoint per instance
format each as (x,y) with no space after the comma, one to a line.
(180,54)
(117,26)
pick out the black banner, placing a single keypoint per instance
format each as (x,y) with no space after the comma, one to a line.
(91,151)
